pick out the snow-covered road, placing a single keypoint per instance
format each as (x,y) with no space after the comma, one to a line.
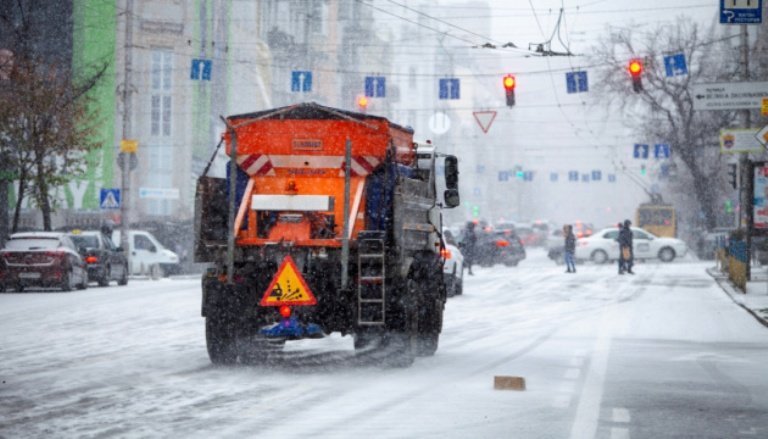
(663,353)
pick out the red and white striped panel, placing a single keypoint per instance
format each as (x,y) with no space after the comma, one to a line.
(256,164)
(362,165)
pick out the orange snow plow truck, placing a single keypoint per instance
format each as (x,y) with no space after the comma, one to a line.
(327,221)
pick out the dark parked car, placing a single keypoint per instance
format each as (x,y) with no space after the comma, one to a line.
(42,259)
(105,261)
(499,247)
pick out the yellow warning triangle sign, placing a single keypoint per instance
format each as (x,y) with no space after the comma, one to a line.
(288,287)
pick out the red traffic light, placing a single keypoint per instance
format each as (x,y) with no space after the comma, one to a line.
(635,67)
(509,82)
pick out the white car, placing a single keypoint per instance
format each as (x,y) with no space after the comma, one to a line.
(603,246)
(453,268)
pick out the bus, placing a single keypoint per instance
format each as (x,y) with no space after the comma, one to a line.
(657,218)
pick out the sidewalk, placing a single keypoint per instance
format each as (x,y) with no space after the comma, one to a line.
(756,299)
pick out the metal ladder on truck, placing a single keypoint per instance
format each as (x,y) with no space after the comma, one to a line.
(371,286)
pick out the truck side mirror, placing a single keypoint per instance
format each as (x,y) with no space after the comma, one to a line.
(452,173)
(451,197)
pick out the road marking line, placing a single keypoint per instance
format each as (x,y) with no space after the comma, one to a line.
(572,374)
(588,411)
(619,433)
(621,415)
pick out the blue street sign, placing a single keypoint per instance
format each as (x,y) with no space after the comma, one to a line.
(597,175)
(553,176)
(301,81)
(741,11)
(573,175)
(503,175)
(576,82)
(528,176)
(375,86)
(661,150)
(585,178)
(201,69)
(674,65)
(641,151)
(480,169)
(449,88)
(109,198)
(611,178)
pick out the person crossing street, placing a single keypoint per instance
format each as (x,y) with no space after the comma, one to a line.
(570,248)
(625,248)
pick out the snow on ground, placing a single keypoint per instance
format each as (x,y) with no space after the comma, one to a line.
(131,361)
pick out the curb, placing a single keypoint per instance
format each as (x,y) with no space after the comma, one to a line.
(728,289)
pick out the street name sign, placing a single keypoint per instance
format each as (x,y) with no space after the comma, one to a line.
(159,193)
(736,140)
(729,95)
(741,11)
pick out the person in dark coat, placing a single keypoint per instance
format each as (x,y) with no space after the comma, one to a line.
(625,248)
(570,248)
(468,244)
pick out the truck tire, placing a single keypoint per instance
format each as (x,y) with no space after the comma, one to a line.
(220,339)
(426,283)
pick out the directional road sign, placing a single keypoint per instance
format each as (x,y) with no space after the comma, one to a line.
(741,11)
(573,175)
(449,88)
(553,176)
(729,95)
(201,69)
(301,81)
(675,65)
(735,140)
(375,86)
(439,123)
(641,151)
(109,198)
(576,82)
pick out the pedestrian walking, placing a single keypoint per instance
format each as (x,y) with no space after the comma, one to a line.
(570,248)
(625,248)
(468,246)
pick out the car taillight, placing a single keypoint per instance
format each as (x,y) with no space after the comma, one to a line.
(91,259)
(445,253)
(502,243)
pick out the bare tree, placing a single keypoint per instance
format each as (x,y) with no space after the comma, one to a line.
(663,109)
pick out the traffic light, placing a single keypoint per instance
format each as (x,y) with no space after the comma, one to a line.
(509,88)
(362,103)
(475,211)
(733,175)
(636,70)
(642,169)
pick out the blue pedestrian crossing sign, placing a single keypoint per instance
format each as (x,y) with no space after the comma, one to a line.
(109,198)
(449,88)
(375,86)
(201,69)
(675,65)
(661,150)
(301,81)
(576,82)
(641,151)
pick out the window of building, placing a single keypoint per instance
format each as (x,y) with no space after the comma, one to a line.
(161,96)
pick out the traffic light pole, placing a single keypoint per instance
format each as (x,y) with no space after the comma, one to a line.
(125,167)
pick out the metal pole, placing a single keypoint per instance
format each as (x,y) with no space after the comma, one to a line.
(126,168)
(232,208)
(744,165)
(345,228)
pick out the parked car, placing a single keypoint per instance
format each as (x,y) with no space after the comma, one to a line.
(145,252)
(499,247)
(42,259)
(453,268)
(603,246)
(105,260)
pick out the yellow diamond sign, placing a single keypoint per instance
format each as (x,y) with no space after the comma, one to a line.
(128,145)
(288,287)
